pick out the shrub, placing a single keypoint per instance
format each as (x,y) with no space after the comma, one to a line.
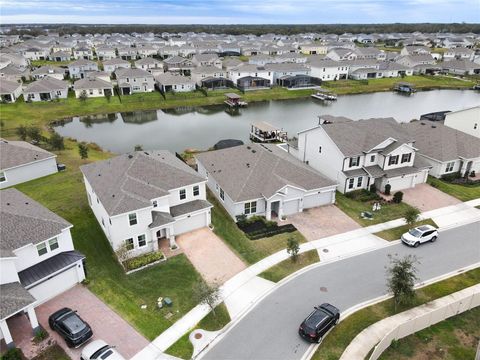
(411,216)
(398,197)
(293,248)
(142,260)
(373,188)
(241,219)
(40,335)
(451,177)
(12,354)
(362,195)
(387,189)
(56,141)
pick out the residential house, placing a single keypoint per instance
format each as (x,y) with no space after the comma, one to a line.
(358,154)
(37,259)
(83,52)
(259,179)
(151,65)
(340,54)
(415,50)
(207,60)
(176,83)
(414,60)
(10,91)
(106,52)
(466,120)
(48,70)
(110,66)
(178,64)
(460,67)
(60,56)
(142,198)
(79,68)
(46,89)
(280,71)
(250,77)
(36,53)
(14,59)
(203,75)
(92,87)
(127,53)
(459,53)
(14,74)
(132,81)
(313,49)
(146,50)
(328,70)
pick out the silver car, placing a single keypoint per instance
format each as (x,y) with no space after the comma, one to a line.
(416,236)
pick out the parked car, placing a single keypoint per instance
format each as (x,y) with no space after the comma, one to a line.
(319,322)
(414,237)
(99,349)
(71,327)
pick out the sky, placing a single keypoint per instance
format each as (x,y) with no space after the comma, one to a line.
(238,11)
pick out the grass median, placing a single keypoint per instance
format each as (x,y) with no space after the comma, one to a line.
(396,233)
(288,266)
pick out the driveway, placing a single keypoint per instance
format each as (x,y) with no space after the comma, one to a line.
(426,197)
(320,222)
(106,324)
(210,256)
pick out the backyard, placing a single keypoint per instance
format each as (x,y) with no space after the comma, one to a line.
(460,191)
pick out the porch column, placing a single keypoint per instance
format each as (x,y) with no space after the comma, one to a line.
(33,319)
(280,210)
(6,334)
(153,234)
(268,211)
(171,238)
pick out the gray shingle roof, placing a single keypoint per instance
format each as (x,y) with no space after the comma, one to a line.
(252,171)
(91,83)
(46,84)
(24,221)
(129,182)
(134,73)
(16,153)
(8,87)
(189,207)
(160,218)
(13,298)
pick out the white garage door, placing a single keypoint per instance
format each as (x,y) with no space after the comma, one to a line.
(291,207)
(315,200)
(56,285)
(401,183)
(190,223)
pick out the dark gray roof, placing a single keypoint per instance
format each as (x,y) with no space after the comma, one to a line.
(189,207)
(252,171)
(24,221)
(160,218)
(129,182)
(355,172)
(46,84)
(17,153)
(13,298)
(92,83)
(49,266)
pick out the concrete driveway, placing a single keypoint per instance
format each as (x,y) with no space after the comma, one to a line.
(320,222)
(426,197)
(106,324)
(210,256)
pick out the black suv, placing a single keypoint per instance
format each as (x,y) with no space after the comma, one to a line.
(319,322)
(70,326)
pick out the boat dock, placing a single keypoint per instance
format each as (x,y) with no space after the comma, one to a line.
(265,132)
(404,87)
(234,100)
(324,95)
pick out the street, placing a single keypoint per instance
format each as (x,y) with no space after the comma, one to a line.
(269,331)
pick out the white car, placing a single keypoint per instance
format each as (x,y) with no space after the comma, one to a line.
(100,350)
(414,237)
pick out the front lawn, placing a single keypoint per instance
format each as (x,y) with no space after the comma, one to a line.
(53,352)
(460,191)
(396,233)
(354,208)
(287,267)
(250,251)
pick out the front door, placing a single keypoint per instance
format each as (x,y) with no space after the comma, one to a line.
(275,208)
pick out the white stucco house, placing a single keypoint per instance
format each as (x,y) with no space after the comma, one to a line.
(37,259)
(46,89)
(92,87)
(142,198)
(264,180)
(357,154)
(329,70)
(131,81)
(21,161)
(175,83)
(466,120)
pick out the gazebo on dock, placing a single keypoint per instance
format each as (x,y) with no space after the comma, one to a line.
(234,100)
(265,132)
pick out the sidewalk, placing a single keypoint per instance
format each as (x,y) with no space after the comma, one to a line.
(242,291)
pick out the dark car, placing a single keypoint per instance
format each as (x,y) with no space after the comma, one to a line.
(70,326)
(319,322)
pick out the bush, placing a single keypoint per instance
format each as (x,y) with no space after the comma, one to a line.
(373,188)
(40,335)
(362,195)
(398,197)
(387,189)
(257,227)
(142,260)
(272,231)
(451,177)
(13,354)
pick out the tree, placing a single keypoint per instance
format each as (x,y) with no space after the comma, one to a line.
(22,132)
(34,133)
(398,197)
(138,148)
(83,150)
(83,96)
(293,248)
(411,215)
(56,141)
(401,277)
(207,294)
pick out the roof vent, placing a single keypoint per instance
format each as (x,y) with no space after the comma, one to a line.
(146,153)
(8,203)
(130,156)
(248,165)
(248,147)
(422,123)
(113,195)
(254,151)
(26,203)
(434,127)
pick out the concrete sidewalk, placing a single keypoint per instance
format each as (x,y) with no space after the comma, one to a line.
(243,290)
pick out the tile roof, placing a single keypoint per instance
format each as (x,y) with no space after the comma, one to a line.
(17,153)
(13,298)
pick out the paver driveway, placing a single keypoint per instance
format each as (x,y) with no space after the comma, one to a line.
(106,324)
(320,222)
(426,197)
(211,257)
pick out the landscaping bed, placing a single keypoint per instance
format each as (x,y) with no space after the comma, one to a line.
(463,192)
(396,233)
(257,227)
(287,267)
(140,262)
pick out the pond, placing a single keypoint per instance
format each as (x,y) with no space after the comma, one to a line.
(201,127)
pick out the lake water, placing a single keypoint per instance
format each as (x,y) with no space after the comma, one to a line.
(202,127)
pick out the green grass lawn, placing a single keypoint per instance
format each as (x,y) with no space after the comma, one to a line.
(353,208)
(53,352)
(451,339)
(336,342)
(396,233)
(461,192)
(49,62)
(183,348)
(287,267)
(250,251)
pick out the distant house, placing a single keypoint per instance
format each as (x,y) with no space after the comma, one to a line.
(143,198)
(459,53)
(414,60)
(149,64)
(146,50)
(176,83)
(15,74)
(110,66)
(83,52)
(79,68)
(466,120)
(48,70)
(250,77)
(199,74)
(328,70)
(92,87)
(10,91)
(105,52)
(21,162)
(178,64)
(46,89)
(313,49)
(60,56)
(415,50)
(38,260)
(207,60)
(264,180)
(132,81)
(127,53)
(35,53)
(461,67)
(340,54)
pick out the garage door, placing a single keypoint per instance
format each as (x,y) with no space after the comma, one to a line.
(190,223)
(315,200)
(291,207)
(401,183)
(56,285)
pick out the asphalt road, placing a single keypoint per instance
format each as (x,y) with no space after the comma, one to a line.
(269,331)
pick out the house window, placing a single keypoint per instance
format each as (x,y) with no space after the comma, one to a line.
(450,166)
(155,203)
(355,161)
(142,241)
(90,91)
(222,194)
(350,183)
(53,244)
(183,194)
(359,181)
(103,223)
(59,92)
(372,158)
(129,244)
(132,219)
(320,149)
(42,249)
(393,160)
(406,157)
(250,208)
(196,190)
(3,178)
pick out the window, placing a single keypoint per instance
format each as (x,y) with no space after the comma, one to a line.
(42,249)
(53,244)
(406,157)
(3,178)
(450,166)
(355,161)
(103,223)
(372,158)
(183,194)
(359,181)
(320,149)
(132,219)
(142,241)
(155,203)
(393,160)
(129,244)
(350,183)
(59,92)
(250,208)
(90,91)
(222,194)
(196,190)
